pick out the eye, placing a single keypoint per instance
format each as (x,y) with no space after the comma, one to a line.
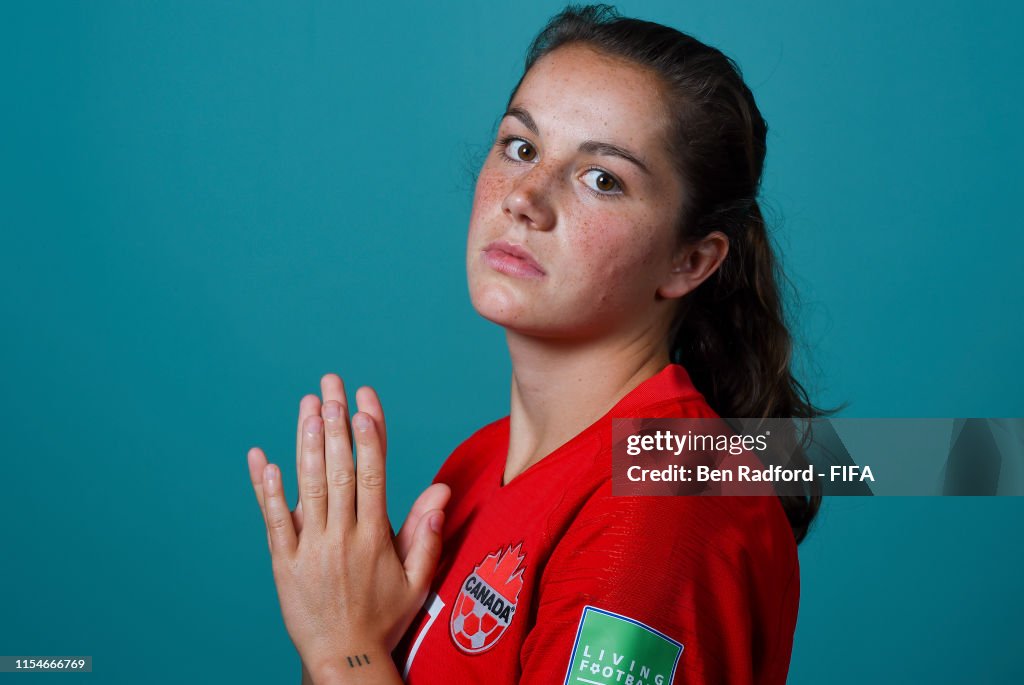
(602,182)
(519,149)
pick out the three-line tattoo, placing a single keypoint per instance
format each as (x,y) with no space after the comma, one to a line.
(359,660)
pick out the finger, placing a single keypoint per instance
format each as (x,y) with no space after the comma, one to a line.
(309,405)
(434,497)
(258,462)
(333,388)
(371,504)
(341,470)
(425,551)
(297,518)
(279,520)
(368,401)
(312,476)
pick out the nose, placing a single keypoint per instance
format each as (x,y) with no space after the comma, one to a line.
(528,202)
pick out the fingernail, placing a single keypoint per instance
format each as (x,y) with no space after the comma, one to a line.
(331,411)
(313,424)
(361,422)
(435,522)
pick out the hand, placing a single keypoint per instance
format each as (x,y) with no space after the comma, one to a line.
(346,585)
(332,387)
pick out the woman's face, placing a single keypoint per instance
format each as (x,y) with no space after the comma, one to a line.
(581,179)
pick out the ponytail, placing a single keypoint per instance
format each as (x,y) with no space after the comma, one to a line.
(731,336)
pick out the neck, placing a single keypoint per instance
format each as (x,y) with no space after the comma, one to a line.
(560,388)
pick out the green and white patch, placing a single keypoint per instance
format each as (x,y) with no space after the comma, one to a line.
(612,649)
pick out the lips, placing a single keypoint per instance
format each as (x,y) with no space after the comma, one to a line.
(513,260)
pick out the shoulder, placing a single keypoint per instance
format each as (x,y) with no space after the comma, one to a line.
(693,407)
(740,536)
(495,430)
(719,575)
(474,453)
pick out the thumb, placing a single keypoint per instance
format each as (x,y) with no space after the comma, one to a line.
(421,562)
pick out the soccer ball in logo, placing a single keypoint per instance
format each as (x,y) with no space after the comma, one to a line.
(473,626)
(487,601)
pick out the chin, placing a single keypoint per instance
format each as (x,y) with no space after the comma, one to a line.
(496,302)
(502,304)
(505,310)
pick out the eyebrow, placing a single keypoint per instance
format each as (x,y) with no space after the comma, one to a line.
(594,147)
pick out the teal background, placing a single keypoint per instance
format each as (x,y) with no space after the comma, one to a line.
(207,205)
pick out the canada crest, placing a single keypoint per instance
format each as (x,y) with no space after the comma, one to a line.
(487,600)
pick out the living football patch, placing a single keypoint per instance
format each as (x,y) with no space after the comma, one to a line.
(612,649)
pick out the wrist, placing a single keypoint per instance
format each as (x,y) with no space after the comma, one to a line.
(325,674)
(353,665)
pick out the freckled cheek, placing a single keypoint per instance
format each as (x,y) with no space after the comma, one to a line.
(614,267)
(491,189)
(488,197)
(608,249)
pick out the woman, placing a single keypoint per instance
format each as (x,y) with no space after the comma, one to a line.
(616,236)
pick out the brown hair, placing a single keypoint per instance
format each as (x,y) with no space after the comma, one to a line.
(730,333)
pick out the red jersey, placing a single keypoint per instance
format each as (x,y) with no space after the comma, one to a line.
(551,579)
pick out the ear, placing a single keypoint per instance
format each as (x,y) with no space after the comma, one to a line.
(694,263)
